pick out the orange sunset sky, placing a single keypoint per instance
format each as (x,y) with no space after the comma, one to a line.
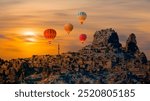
(22,23)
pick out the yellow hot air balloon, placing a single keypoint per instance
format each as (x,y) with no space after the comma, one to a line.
(82,17)
(68,27)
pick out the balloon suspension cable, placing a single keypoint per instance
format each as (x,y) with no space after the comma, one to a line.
(49,42)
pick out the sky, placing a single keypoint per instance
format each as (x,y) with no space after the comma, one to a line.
(22,23)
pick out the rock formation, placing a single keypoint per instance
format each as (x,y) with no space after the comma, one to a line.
(131,44)
(106,38)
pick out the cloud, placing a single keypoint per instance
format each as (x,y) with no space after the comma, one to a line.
(28,40)
(10,2)
(145,45)
(13,49)
(9,47)
(24,36)
(5,37)
(2,36)
(60,14)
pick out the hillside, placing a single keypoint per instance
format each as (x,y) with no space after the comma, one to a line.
(104,61)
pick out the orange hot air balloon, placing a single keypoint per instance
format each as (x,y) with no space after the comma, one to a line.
(68,27)
(50,34)
(82,17)
(82,38)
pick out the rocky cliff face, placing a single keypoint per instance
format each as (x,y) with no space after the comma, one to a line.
(106,44)
(104,61)
(131,44)
(107,37)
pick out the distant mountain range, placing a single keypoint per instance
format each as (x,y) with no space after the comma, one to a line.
(104,61)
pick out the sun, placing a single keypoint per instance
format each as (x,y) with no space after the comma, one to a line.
(30,36)
(29,33)
(30,40)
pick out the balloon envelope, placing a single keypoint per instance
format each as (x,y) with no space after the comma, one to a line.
(82,37)
(68,27)
(82,17)
(50,34)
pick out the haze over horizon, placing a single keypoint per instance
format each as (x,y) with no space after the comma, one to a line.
(23,23)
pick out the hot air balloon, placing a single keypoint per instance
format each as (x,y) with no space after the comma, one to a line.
(82,38)
(68,27)
(82,17)
(50,34)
